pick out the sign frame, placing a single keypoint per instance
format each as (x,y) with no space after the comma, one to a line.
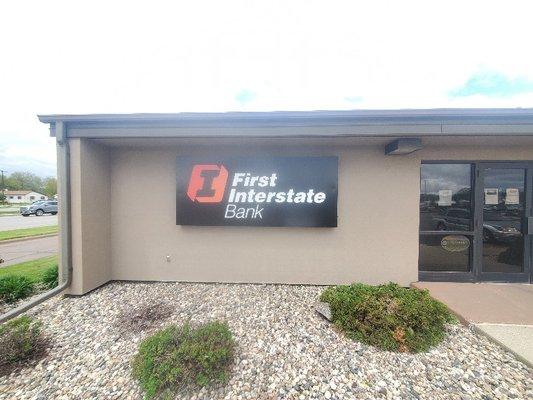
(266,191)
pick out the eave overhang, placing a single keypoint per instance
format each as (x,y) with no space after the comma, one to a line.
(359,123)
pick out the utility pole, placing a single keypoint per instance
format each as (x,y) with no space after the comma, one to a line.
(2,189)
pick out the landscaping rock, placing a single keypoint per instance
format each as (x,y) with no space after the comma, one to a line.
(284,350)
(324,309)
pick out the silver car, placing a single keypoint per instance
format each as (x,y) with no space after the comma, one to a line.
(40,208)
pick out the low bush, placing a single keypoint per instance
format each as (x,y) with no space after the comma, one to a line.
(50,277)
(15,287)
(180,356)
(20,339)
(388,316)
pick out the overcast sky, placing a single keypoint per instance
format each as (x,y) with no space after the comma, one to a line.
(149,56)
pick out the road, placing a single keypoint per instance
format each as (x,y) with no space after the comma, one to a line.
(19,222)
(27,250)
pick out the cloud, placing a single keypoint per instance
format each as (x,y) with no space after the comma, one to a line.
(493,84)
(37,159)
(28,164)
(245,96)
(354,99)
(251,56)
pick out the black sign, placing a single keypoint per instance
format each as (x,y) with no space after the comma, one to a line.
(274,191)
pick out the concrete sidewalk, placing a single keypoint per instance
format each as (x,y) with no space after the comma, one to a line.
(503,312)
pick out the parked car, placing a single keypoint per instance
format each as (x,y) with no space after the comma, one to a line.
(453,219)
(40,208)
(495,232)
(497,226)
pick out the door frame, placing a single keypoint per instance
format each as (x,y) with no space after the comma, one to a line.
(477,182)
(481,276)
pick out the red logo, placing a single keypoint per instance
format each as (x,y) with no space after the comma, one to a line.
(207,183)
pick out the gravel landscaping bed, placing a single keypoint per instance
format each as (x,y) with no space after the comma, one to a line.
(38,290)
(284,350)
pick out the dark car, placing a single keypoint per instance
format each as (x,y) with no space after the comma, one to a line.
(453,219)
(497,226)
(502,224)
(40,208)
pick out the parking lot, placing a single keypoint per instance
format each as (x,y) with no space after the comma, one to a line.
(11,222)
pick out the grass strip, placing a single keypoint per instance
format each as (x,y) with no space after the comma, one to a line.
(28,232)
(33,270)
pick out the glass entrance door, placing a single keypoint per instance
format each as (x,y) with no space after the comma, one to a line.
(504,245)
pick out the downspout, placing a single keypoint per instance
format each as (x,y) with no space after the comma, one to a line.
(63,174)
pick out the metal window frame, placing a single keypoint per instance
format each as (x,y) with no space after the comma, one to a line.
(525,275)
(476,273)
(454,276)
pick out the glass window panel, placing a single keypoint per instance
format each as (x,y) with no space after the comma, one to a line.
(503,213)
(444,253)
(445,197)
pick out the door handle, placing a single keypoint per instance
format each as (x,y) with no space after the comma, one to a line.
(530,225)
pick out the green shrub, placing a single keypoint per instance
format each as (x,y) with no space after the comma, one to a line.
(179,356)
(15,287)
(50,277)
(388,316)
(20,339)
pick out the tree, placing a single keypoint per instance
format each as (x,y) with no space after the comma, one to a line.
(22,180)
(50,186)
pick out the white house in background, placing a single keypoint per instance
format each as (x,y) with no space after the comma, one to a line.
(23,196)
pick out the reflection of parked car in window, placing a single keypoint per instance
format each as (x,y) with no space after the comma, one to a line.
(502,223)
(453,219)
(40,208)
(497,227)
(492,232)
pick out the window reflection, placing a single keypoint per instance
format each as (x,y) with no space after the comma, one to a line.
(503,211)
(445,197)
(445,205)
(434,257)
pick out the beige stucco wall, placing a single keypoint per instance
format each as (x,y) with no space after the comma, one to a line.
(126,205)
(376,240)
(90,215)
(502,152)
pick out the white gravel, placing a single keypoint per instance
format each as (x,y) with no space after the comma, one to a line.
(285,350)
